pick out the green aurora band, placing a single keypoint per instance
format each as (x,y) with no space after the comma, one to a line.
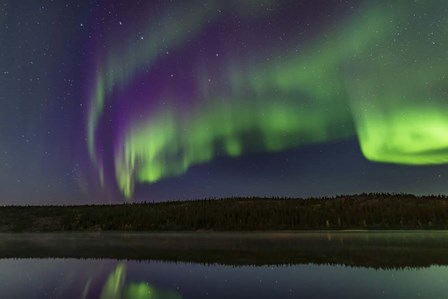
(122,64)
(380,76)
(398,92)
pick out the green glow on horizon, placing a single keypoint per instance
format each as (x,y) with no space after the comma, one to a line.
(418,137)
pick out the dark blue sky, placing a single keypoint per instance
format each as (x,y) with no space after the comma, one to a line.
(54,52)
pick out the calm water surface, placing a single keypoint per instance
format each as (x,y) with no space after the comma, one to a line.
(359,268)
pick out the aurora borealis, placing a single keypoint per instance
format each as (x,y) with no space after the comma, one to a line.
(157,100)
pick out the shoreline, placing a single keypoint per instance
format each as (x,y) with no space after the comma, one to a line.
(224,232)
(379,249)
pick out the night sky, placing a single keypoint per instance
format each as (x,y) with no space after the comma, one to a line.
(106,101)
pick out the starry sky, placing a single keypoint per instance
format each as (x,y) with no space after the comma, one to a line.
(106,101)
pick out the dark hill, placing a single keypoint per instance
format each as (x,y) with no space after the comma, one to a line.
(365,211)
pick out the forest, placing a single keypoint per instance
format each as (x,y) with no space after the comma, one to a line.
(363,211)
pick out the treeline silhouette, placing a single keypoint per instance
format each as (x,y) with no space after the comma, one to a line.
(363,211)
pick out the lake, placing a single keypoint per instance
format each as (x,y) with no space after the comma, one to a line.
(225,265)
